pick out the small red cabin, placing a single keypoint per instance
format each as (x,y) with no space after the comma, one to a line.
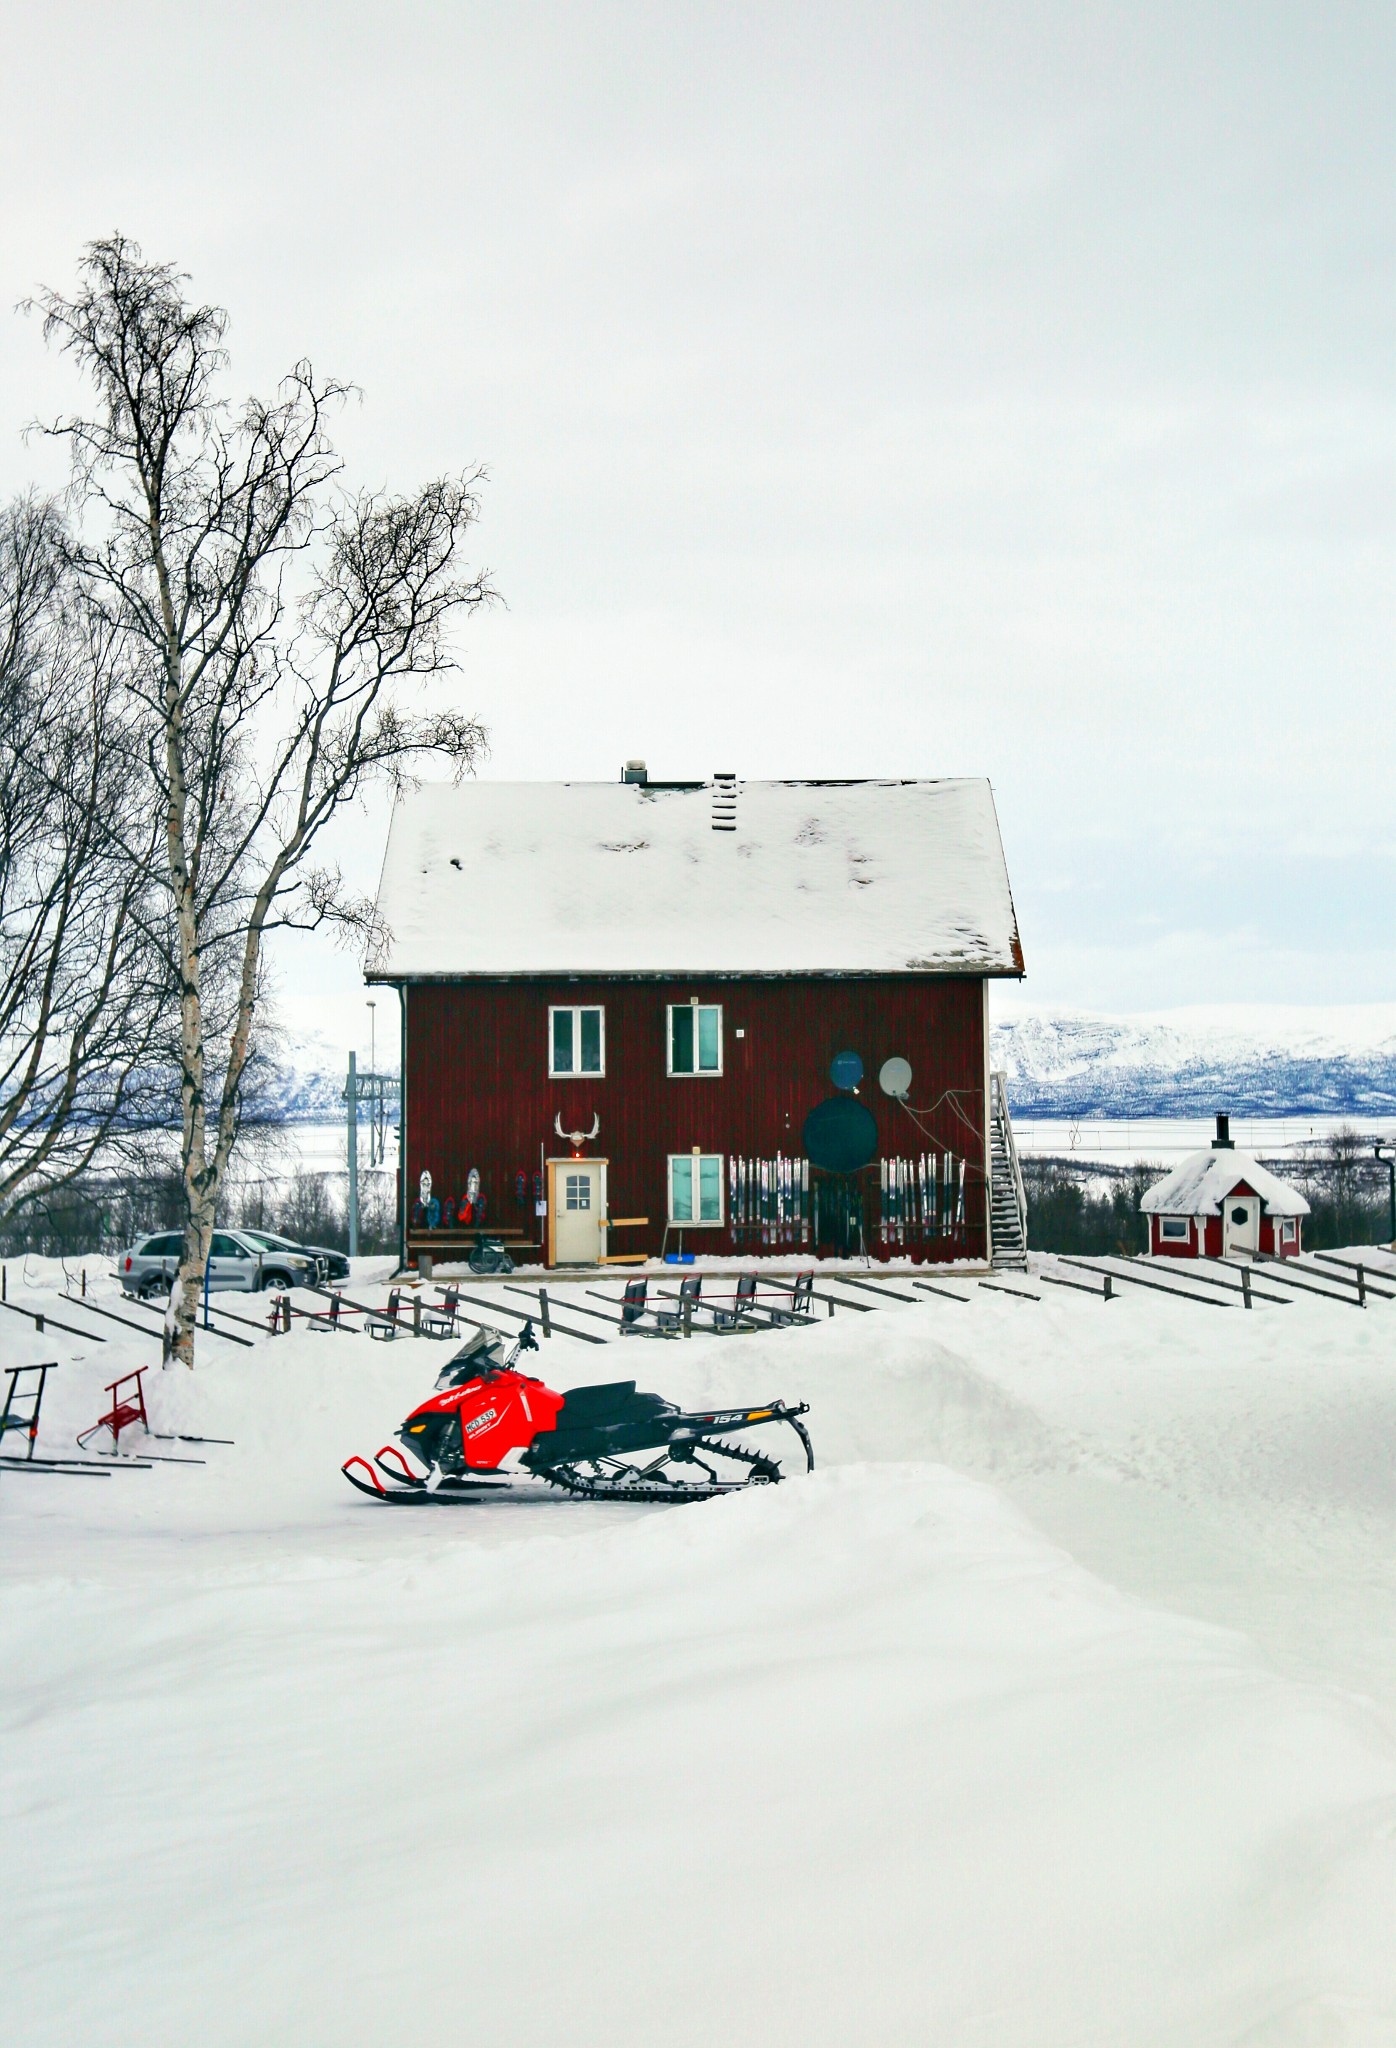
(622,1001)
(1220,1202)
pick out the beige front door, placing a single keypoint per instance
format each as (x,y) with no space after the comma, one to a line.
(577,1211)
(1241,1224)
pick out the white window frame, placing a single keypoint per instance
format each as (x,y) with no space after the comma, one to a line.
(695,1073)
(1175,1230)
(694,1160)
(574,1011)
(1289,1229)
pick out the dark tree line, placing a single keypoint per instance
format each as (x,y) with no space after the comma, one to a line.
(103,1213)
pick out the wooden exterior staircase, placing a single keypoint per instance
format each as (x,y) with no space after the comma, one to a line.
(1008,1206)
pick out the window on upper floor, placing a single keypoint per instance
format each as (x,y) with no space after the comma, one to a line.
(576,1041)
(695,1038)
(695,1187)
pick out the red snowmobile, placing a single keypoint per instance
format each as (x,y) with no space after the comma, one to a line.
(591,1442)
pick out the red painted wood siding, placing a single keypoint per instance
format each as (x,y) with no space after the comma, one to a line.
(478,1092)
(1271,1237)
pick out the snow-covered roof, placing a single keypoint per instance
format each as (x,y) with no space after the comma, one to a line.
(1204,1180)
(626,878)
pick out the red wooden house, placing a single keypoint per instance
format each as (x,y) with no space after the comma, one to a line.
(622,1001)
(1221,1202)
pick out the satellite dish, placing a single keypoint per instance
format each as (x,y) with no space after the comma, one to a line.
(840,1135)
(895,1078)
(846,1070)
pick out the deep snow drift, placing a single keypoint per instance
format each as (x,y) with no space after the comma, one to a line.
(1057,1706)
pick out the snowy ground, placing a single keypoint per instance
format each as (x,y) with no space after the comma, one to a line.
(1057,1707)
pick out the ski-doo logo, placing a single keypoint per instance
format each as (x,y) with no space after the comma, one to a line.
(481,1421)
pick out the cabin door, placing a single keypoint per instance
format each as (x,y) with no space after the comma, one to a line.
(577,1211)
(1241,1224)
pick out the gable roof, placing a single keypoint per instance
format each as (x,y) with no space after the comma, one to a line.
(490,878)
(1204,1180)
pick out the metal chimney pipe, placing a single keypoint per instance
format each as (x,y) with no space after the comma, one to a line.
(1222,1141)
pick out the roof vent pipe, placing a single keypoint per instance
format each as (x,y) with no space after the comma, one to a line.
(1222,1141)
(724,803)
(634,771)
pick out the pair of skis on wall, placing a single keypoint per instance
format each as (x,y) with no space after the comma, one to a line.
(922,1197)
(769,1197)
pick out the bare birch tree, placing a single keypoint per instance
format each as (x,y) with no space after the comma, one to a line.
(273,626)
(82,992)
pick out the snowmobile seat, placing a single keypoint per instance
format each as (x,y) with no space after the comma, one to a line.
(600,1407)
(602,1422)
(591,1404)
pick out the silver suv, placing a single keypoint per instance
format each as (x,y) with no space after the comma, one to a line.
(233,1261)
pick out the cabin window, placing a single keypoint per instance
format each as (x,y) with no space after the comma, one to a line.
(1175,1228)
(695,1187)
(576,1041)
(1289,1230)
(695,1038)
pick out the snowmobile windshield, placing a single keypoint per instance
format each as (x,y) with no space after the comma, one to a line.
(480,1353)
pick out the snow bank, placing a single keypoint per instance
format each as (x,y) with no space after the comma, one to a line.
(882,1754)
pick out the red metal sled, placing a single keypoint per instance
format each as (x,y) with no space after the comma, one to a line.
(125,1409)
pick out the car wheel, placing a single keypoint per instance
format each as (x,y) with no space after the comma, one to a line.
(153,1288)
(276,1279)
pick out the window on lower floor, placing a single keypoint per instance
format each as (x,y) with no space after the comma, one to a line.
(576,1041)
(576,1191)
(695,1038)
(695,1187)
(1175,1228)
(1289,1229)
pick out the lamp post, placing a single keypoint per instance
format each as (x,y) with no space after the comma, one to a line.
(351,1097)
(375,1114)
(1388,1160)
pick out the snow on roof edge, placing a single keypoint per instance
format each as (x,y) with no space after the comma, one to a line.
(822,877)
(1204,1180)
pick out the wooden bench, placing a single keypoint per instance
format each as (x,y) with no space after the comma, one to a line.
(458,1244)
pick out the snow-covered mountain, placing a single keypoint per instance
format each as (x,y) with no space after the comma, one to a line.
(1250,1061)
(1070,1063)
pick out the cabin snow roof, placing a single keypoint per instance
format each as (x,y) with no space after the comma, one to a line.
(1204,1180)
(502,878)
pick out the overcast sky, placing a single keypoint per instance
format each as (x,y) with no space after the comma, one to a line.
(924,389)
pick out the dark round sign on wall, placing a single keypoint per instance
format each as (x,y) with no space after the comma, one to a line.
(846,1070)
(840,1135)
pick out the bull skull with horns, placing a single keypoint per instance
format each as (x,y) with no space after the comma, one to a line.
(578,1137)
